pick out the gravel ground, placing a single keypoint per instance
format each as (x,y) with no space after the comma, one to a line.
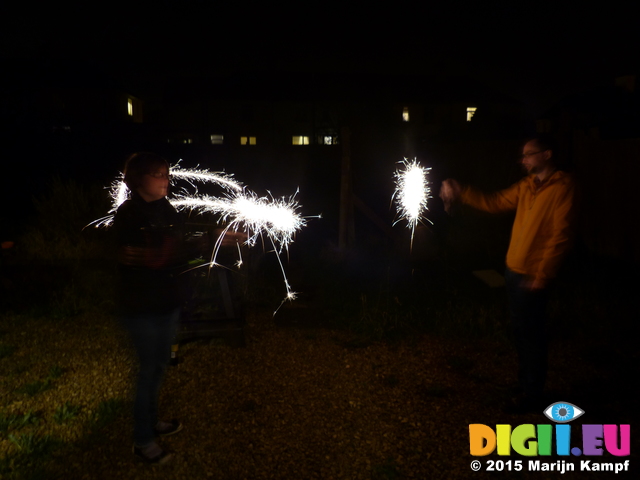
(295,403)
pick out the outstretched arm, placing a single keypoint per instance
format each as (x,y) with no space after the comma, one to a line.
(502,201)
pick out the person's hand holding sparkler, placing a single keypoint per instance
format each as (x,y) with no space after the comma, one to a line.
(449,193)
(533,284)
(231,238)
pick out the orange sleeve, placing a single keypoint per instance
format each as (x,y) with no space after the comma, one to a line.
(502,201)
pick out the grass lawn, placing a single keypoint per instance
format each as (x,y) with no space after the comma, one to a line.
(346,382)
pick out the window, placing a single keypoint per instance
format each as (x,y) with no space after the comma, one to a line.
(300,140)
(471,111)
(134,108)
(327,136)
(181,138)
(217,139)
(405,114)
(247,140)
(327,139)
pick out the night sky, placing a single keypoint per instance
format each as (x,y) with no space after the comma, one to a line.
(536,54)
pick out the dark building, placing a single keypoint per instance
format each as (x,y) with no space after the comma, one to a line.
(599,131)
(284,132)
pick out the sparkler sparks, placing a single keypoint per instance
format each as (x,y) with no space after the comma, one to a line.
(195,175)
(241,209)
(411,194)
(119,191)
(277,219)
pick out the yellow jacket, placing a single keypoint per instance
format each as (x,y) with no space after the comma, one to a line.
(543,228)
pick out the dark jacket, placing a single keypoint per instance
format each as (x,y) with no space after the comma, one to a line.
(151,254)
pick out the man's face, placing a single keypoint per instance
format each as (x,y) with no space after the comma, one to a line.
(534,158)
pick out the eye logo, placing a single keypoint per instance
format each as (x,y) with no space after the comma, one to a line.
(562,412)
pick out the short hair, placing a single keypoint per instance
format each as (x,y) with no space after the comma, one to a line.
(545,142)
(139,164)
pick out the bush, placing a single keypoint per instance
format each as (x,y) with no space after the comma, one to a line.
(57,234)
(67,268)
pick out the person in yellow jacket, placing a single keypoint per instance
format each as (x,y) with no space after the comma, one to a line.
(542,234)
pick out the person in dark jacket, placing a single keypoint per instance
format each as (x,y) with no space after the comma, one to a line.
(150,235)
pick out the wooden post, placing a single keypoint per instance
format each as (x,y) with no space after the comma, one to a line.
(346,235)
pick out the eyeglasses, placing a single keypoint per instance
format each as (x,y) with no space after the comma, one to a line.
(525,155)
(160,175)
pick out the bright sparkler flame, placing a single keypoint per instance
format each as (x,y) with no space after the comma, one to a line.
(412,193)
(278,219)
(241,209)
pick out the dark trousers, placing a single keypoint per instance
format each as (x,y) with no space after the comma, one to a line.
(152,335)
(528,312)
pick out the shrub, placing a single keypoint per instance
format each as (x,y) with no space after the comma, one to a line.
(56,235)
(69,268)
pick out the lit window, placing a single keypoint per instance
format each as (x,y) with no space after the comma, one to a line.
(325,138)
(470,113)
(217,139)
(180,139)
(300,140)
(405,114)
(130,106)
(247,140)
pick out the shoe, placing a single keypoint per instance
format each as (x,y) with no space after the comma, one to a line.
(164,429)
(152,454)
(523,404)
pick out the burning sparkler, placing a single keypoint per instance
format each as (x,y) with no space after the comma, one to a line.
(205,176)
(277,219)
(119,191)
(241,209)
(411,194)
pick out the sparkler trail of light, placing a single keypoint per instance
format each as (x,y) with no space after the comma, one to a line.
(411,194)
(291,295)
(119,191)
(277,219)
(195,175)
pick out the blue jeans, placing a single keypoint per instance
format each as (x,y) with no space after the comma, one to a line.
(152,335)
(528,312)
